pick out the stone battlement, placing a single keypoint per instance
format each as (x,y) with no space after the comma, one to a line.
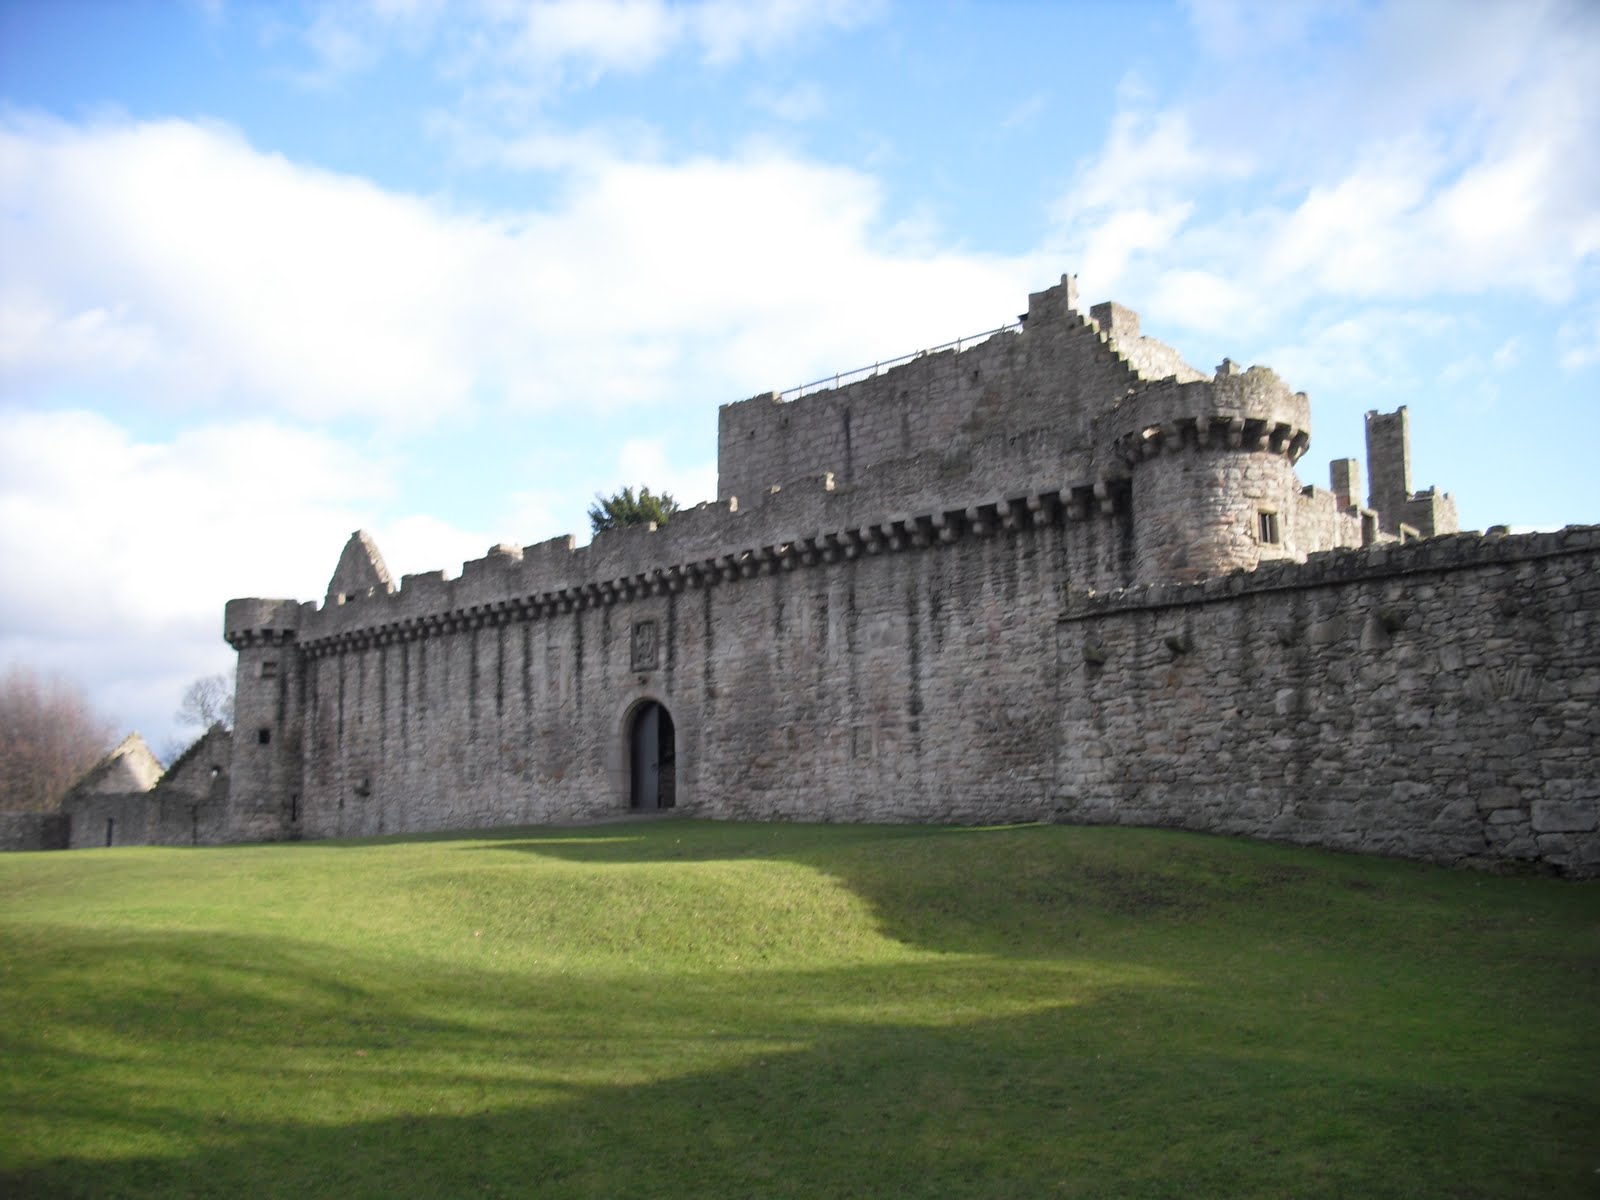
(869,489)
(1389,561)
(1058,574)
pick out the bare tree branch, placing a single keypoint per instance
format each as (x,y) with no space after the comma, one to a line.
(208,701)
(49,736)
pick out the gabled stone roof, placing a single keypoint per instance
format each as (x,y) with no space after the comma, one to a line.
(361,571)
(130,767)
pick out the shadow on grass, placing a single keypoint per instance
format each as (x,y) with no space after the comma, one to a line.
(1017,891)
(312,1074)
(1079,1013)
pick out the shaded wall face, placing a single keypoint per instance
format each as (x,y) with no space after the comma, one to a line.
(34,831)
(911,687)
(481,726)
(105,818)
(900,685)
(1447,715)
(156,818)
(1389,465)
(1057,376)
(265,756)
(1434,701)
(1200,512)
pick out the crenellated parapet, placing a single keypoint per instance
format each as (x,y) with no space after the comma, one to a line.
(501,589)
(1057,421)
(254,621)
(1383,563)
(1211,467)
(1253,411)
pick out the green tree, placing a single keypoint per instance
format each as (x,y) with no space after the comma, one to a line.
(624,508)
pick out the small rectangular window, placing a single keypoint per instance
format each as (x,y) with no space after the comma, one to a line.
(263,736)
(1269,528)
(269,669)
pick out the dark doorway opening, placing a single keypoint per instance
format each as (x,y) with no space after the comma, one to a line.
(653,750)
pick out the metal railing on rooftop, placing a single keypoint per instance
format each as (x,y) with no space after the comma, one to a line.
(840,378)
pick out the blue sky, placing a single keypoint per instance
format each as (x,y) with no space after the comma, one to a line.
(271,273)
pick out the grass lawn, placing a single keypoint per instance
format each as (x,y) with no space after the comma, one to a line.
(678,1008)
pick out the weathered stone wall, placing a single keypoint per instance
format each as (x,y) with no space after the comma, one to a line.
(1150,358)
(876,681)
(1436,700)
(1427,512)
(188,806)
(33,831)
(910,686)
(1050,380)
(113,819)
(266,760)
(154,818)
(873,631)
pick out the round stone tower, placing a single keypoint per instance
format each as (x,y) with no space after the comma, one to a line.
(1211,467)
(264,788)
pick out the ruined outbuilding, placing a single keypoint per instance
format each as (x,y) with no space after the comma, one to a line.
(128,800)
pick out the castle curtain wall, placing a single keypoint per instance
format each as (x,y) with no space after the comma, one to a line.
(868,626)
(895,686)
(909,684)
(1436,700)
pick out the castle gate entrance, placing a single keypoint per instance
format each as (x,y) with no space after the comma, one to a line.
(654,754)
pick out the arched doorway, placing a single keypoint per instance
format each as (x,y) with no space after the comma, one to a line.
(652,742)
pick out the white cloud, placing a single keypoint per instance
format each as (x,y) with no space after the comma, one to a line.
(729,29)
(643,462)
(1146,157)
(211,273)
(1243,28)
(134,545)
(1374,349)
(1580,340)
(796,104)
(1350,154)
(517,53)
(599,34)
(1199,300)
(1107,248)
(544,147)
(178,261)
(173,271)
(1027,112)
(227,506)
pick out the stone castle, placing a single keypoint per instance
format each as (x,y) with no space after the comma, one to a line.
(1050,574)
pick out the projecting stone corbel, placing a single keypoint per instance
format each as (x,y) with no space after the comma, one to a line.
(1102,493)
(1179,643)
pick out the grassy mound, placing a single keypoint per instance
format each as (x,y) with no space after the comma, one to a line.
(678,1008)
